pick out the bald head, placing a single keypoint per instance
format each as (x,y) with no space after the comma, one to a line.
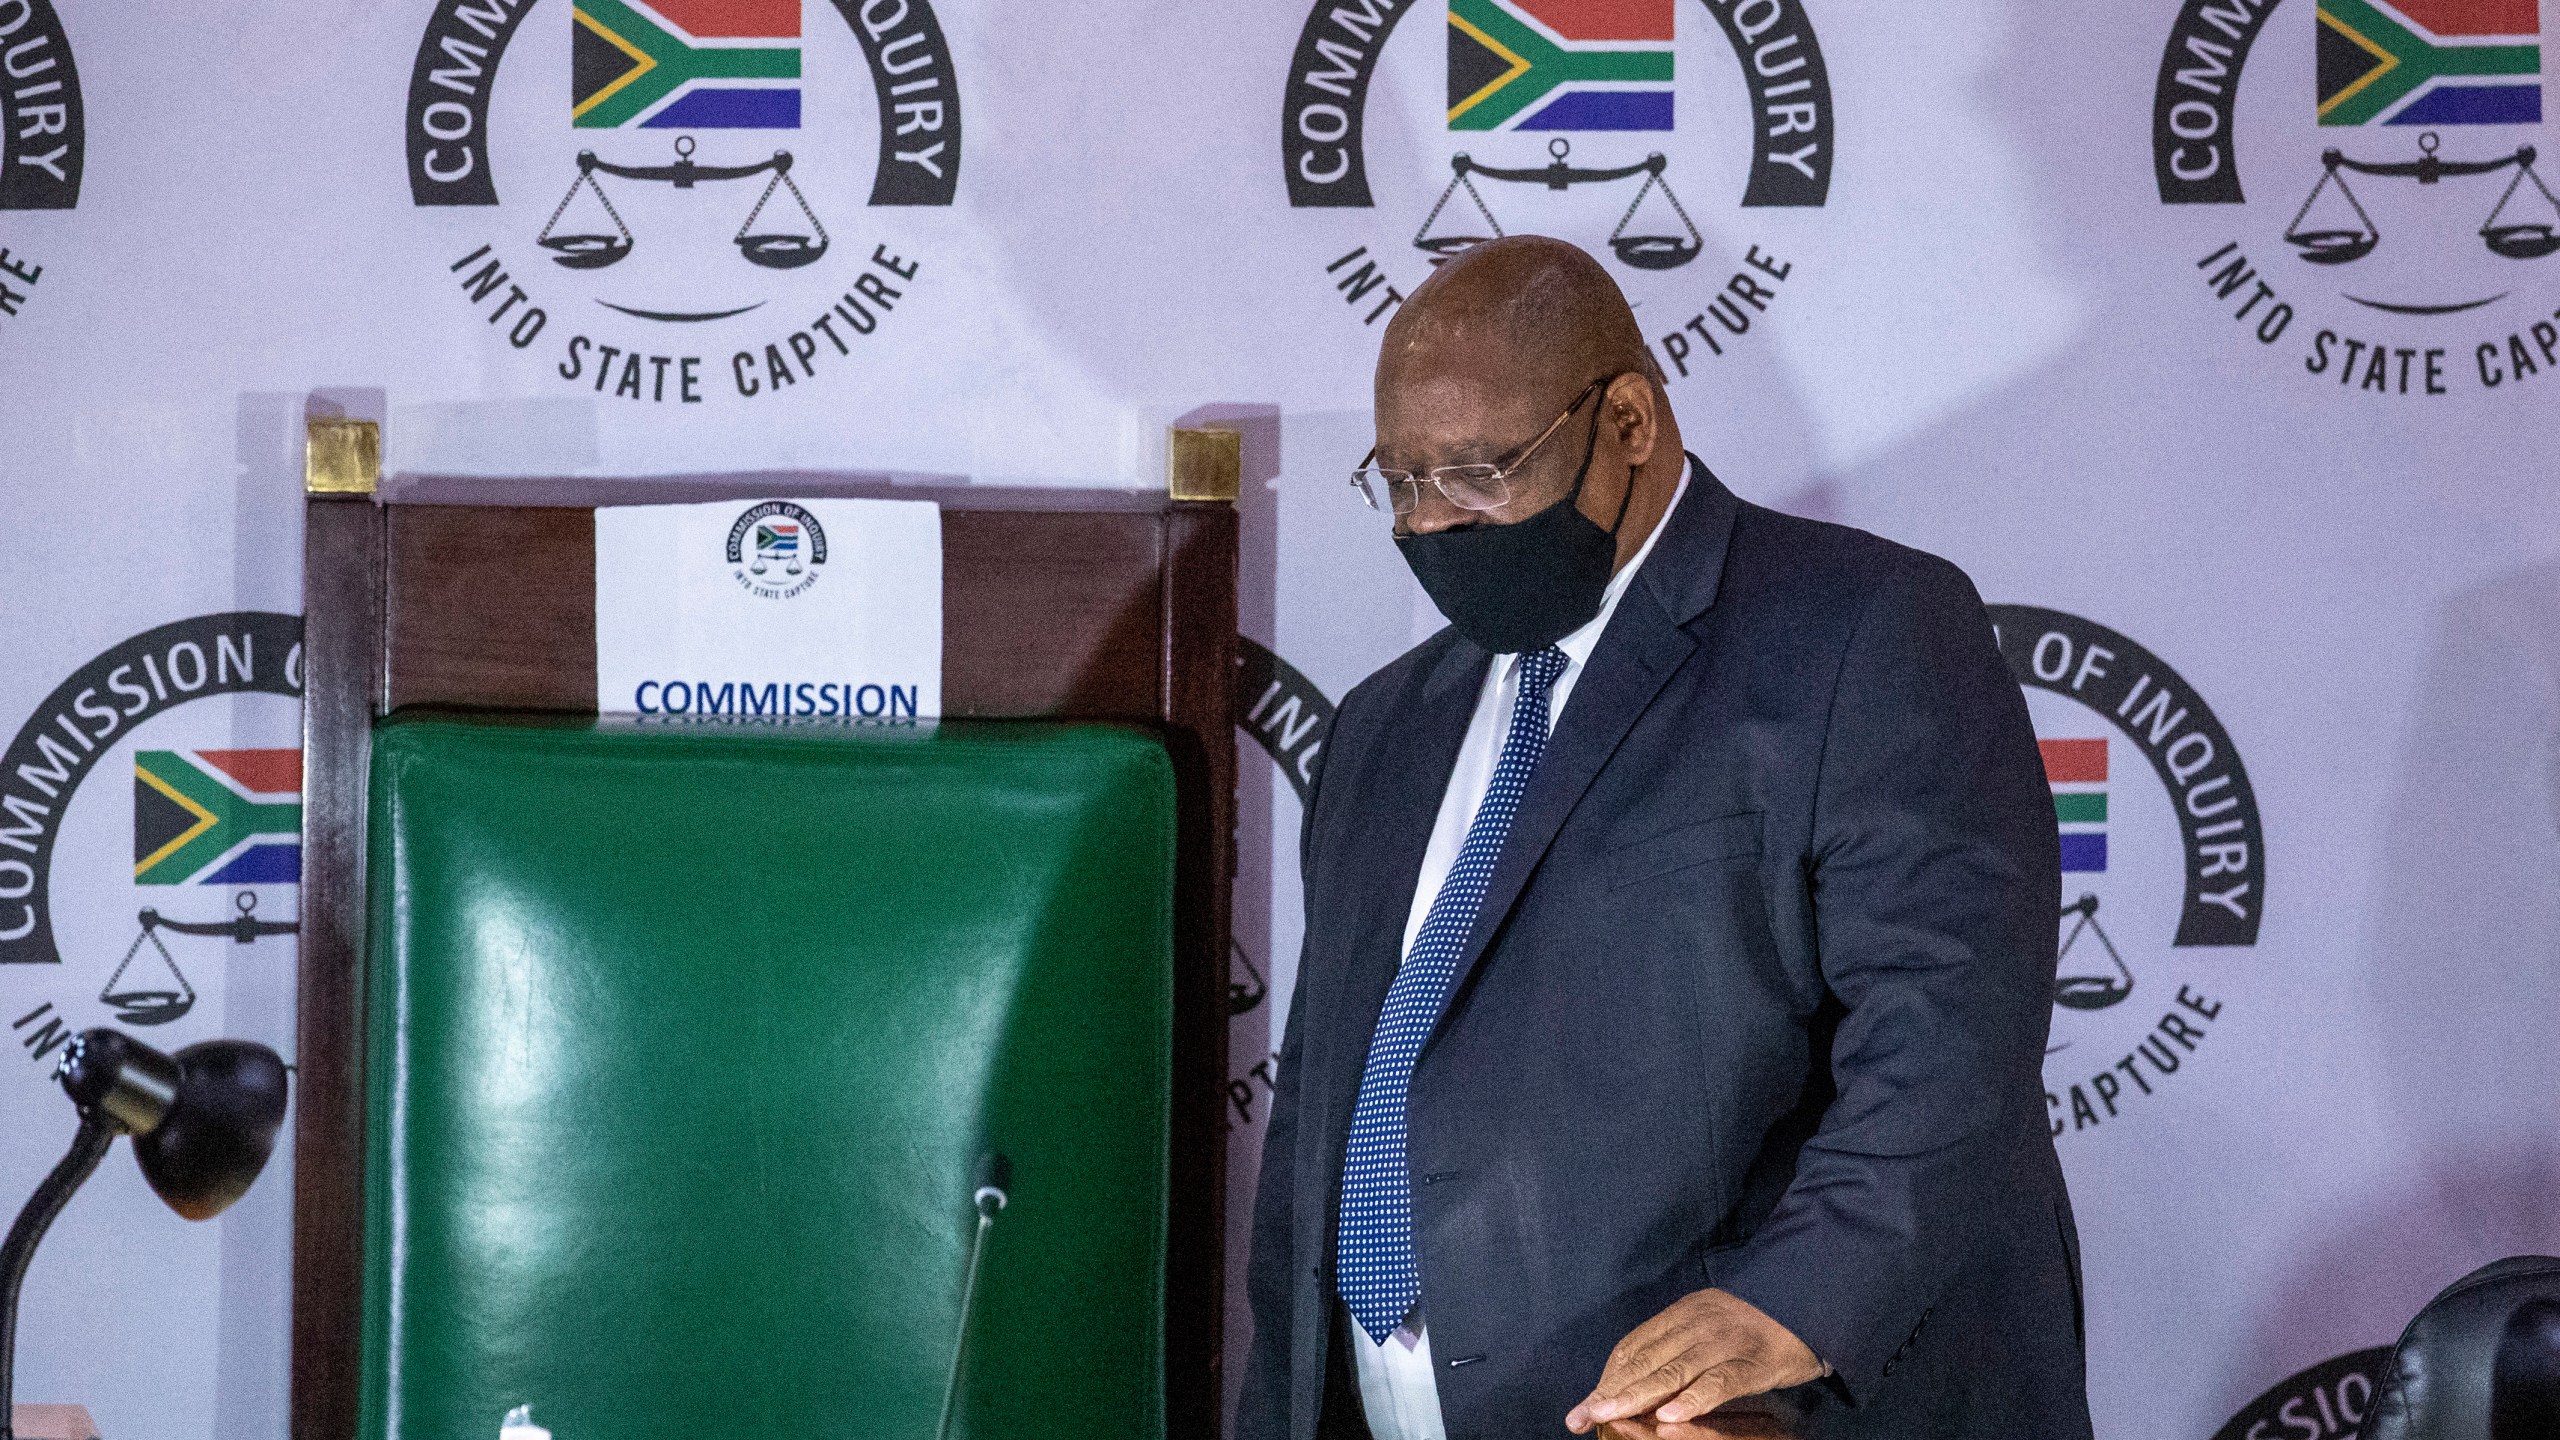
(1483,358)
(1531,315)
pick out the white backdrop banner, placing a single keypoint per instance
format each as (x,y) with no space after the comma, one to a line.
(2218,340)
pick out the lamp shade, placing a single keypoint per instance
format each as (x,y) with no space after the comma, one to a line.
(203,1120)
(218,1134)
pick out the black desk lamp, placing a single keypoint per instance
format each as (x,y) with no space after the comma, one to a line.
(202,1121)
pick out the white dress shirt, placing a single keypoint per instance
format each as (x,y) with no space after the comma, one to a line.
(1398,1390)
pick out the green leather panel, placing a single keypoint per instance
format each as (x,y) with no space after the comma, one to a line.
(685,1043)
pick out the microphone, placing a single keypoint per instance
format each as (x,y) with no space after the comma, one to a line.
(995,1182)
(995,1177)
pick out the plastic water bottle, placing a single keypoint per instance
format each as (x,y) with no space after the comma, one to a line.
(519,1426)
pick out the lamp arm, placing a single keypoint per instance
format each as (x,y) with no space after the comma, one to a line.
(88,1147)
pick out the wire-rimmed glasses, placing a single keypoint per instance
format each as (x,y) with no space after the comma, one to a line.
(1469,487)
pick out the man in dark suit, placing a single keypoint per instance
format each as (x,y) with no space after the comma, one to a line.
(1679,950)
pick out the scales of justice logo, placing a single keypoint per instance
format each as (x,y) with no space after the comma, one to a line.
(2163,860)
(114,907)
(681,250)
(776,550)
(2405,212)
(1595,121)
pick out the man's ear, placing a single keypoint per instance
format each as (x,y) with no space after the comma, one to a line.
(1633,411)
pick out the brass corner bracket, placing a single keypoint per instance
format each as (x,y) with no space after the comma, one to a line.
(1204,464)
(343,457)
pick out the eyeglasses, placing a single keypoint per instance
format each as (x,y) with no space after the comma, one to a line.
(1469,487)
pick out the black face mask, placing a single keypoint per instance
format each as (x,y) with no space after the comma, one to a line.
(1519,587)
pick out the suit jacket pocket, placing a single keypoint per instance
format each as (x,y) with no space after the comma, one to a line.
(1726,837)
(1716,1261)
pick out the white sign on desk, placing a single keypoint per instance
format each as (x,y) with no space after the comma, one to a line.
(827,609)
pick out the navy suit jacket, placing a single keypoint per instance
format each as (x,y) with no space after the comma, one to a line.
(1758,1000)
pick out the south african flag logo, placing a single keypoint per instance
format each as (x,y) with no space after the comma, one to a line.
(2077,772)
(1560,64)
(685,64)
(2430,62)
(217,817)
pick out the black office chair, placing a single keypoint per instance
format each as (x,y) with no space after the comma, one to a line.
(2481,1362)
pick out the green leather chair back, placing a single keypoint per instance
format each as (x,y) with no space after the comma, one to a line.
(685,1045)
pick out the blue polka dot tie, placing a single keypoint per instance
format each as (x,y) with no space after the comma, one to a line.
(1377,1276)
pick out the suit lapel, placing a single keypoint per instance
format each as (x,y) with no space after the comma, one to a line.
(1638,652)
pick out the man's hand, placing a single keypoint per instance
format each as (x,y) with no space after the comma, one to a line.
(1710,1427)
(1708,1348)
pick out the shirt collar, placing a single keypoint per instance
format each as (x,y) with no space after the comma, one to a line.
(1577,647)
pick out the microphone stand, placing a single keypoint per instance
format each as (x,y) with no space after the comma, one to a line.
(990,1199)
